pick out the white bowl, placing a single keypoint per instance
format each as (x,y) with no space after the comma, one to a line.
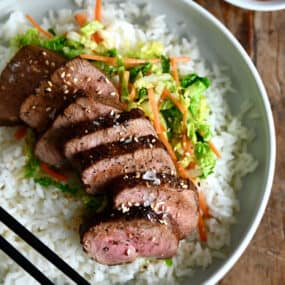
(219,46)
(258,5)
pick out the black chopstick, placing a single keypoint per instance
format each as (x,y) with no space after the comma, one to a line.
(34,242)
(6,247)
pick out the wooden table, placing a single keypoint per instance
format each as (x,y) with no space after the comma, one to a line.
(263,36)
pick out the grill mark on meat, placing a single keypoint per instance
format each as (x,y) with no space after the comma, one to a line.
(103,122)
(174,198)
(21,77)
(101,164)
(85,159)
(107,129)
(64,86)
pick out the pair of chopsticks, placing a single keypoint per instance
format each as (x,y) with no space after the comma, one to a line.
(40,247)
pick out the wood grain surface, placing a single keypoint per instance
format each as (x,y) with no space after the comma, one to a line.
(263,36)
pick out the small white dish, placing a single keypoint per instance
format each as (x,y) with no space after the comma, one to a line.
(259,5)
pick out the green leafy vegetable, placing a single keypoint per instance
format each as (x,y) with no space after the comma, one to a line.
(90,28)
(52,31)
(112,52)
(142,94)
(168,261)
(206,158)
(143,69)
(47,181)
(109,70)
(190,79)
(31,37)
(59,44)
(165,64)
(32,163)
(147,50)
(172,118)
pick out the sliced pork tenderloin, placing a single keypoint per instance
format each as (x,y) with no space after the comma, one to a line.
(55,94)
(22,75)
(107,129)
(173,197)
(49,148)
(116,238)
(98,166)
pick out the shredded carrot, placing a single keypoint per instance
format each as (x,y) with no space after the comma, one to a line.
(174,70)
(129,62)
(98,10)
(58,176)
(201,227)
(106,59)
(38,27)
(97,38)
(127,77)
(154,107)
(132,94)
(186,143)
(215,150)
(20,133)
(80,19)
(181,59)
(203,204)
(191,165)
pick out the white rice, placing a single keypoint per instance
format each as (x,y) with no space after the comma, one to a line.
(55,218)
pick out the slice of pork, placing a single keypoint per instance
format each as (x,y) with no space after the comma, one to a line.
(98,166)
(118,238)
(110,128)
(173,197)
(22,76)
(49,148)
(55,94)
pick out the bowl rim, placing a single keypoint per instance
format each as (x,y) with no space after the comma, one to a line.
(258,5)
(233,258)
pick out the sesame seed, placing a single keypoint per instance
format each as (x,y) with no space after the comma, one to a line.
(66,91)
(86,131)
(75,80)
(48,109)
(48,89)
(113,93)
(33,107)
(53,64)
(44,53)
(50,83)
(128,252)
(62,74)
(68,75)
(88,79)
(47,62)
